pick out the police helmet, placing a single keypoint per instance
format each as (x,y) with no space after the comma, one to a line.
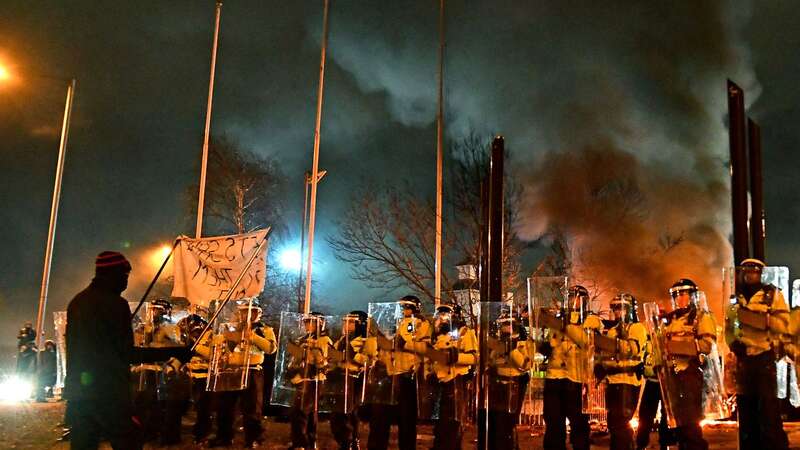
(360,318)
(627,303)
(411,302)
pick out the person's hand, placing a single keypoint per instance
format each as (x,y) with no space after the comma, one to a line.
(452,356)
(399,342)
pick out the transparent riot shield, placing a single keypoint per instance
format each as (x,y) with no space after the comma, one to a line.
(504,349)
(304,352)
(396,365)
(666,375)
(715,398)
(229,364)
(444,344)
(381,331)
(154,327)
(60,329)
(341,392)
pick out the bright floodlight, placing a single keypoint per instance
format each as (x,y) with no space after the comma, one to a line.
(4,75)
(158,255)
(290,259)
(14,390)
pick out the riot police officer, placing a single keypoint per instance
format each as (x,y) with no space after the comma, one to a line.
(568,352)
(345,379)
(193,325)
(621,367)
(688,332)
(403,362)
(756,321)
(510,359)
(307,377)
(454,355)
(253,341)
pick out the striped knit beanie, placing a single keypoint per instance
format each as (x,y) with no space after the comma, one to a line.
(111,260)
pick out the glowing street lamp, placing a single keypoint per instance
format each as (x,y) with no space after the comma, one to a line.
(290,259)
(158,255)
(4,74)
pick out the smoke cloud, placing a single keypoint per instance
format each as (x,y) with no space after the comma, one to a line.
(616,111)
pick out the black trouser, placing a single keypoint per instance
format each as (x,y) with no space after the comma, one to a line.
(760,424)
(621,404)
(174,394)
(562,400)
(146,405)
(647,414)
(452,401)
(91,421)
(250,402)
(404,413)
(506,395)
(303,414)
(689,410)
(344,424)
(202,407)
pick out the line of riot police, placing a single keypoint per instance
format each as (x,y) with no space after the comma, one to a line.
(393,365)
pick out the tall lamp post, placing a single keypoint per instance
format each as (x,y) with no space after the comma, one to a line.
(51,231)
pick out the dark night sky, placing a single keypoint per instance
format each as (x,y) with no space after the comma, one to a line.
(523,71)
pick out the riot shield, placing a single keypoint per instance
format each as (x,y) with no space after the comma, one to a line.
(154,327)
(715,397)
(304,348)
(658,340)
(379,388)
(341,392)
(229,364)
(449,396)
(60,330)
(500,337)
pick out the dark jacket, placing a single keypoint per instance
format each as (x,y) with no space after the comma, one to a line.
(99,345)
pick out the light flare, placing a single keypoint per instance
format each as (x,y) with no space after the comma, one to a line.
(14,389)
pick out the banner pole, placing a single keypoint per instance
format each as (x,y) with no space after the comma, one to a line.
(233,288)
(155,279)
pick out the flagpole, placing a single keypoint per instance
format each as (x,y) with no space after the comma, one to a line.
(312,214)
(437,296)
(51,231)
(204,161)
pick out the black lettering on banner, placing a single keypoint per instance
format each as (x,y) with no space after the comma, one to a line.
(231,243)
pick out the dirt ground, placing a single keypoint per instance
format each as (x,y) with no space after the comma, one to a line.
(37,426)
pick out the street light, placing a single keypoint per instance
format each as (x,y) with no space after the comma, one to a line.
(51,231)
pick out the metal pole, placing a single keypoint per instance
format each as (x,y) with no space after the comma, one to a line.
(738,152)
(204,161)
(312,216)
(757,220)
(51,232)
(437,296)
(300,298)
(155,279)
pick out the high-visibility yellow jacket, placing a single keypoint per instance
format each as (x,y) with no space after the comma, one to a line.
(355,360)
(315,364)
(697,327)
(466,344)
(259,343)
(570,355)
(514,363)
(758,341)
(407,356)
(631,348)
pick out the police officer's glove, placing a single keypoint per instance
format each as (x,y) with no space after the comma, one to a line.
(399,342)
(545,349)
(638,370)
(738,348)
(452,356)
(183,354)
(599,372)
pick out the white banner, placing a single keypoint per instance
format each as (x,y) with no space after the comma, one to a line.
(205,269)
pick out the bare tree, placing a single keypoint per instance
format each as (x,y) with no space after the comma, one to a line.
(387,233)
(244,191)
